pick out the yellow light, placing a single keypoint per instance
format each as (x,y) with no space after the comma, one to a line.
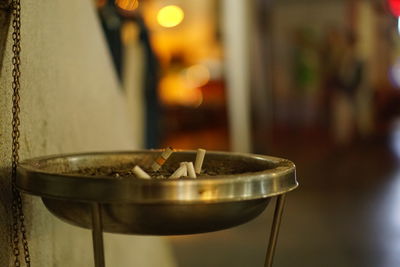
(128,5)
(170,16)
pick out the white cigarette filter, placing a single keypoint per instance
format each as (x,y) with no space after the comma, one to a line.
(162,159)
(190,170)
(186,172)
(179,172)
(199,160)
(140,173)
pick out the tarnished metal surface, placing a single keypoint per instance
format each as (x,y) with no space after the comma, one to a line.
(158,207)
(5,15)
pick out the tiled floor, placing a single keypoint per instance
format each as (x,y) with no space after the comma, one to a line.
(346,213)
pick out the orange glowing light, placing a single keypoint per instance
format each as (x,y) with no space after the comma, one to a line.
(174,91)
(128,5)
(170,16)
(100,3)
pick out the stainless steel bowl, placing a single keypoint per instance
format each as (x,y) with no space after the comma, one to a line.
(157,206)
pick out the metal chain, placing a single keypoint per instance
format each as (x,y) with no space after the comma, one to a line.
(18,218)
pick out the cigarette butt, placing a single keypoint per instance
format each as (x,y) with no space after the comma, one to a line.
(199,160)
(167,152)
(190,170)
(179,172)
(162,159)
(186,172)
(140,173)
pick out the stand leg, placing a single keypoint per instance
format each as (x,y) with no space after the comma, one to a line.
(97,236)
(273,238)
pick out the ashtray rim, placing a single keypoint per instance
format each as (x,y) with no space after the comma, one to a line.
(222,188)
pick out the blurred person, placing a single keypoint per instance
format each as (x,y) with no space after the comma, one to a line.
(306,76)
(151,81)
(344,98)
(111,22)
(329,61)
(112,18)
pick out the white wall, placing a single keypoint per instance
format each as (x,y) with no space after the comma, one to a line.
(71,102)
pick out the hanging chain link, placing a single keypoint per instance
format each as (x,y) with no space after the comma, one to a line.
(18,218)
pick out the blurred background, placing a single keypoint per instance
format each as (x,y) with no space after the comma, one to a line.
(317,82)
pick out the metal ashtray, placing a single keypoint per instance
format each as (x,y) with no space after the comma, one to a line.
(131,205)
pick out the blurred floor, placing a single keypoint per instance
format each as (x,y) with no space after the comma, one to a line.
(345,213)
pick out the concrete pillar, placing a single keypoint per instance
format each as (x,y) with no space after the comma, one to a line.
(235,32)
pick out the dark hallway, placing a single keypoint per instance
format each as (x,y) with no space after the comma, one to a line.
(345,213)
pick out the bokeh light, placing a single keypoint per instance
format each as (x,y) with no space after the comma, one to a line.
(398,25)
(170,16)
(197,76)
(395,7)
(128,5)
(174,91)
(100,3)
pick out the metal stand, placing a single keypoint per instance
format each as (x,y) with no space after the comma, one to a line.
(276,223)
(98,243)
(97,235)
(41,177)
